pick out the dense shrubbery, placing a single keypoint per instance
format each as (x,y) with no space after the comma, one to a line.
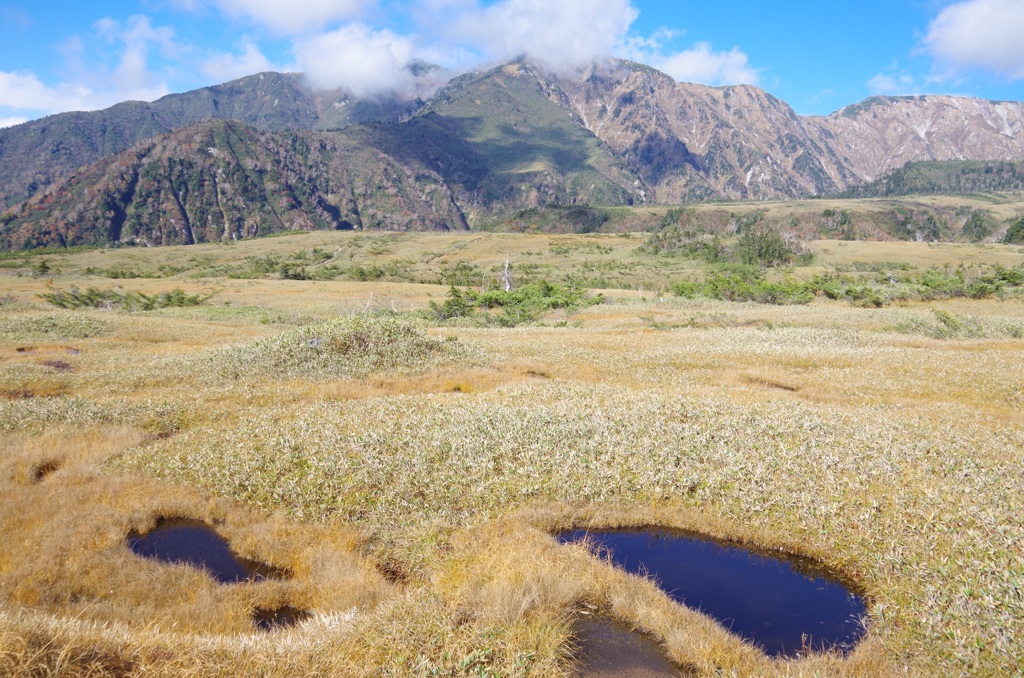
(1015,234)
(757,245)
(745,284)
(519,306)
(764,247)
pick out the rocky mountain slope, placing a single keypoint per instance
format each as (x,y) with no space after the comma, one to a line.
(692,142)
(881,134)
(37,153)
(221,180)
(486,144)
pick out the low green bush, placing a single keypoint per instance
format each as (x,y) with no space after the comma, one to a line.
(520,306)
(127,301)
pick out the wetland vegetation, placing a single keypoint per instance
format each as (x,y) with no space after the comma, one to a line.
(409,466)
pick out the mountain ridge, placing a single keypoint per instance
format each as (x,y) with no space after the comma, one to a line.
(39,152)
(487,143)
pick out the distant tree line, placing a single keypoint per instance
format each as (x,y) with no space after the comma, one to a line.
(958,177)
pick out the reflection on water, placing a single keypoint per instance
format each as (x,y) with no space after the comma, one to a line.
(784,606)
(193,542)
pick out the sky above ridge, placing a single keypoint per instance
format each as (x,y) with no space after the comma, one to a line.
(61,55)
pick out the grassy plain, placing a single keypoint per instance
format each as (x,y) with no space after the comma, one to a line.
(413,494)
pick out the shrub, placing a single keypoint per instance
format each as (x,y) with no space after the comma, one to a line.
(523,305)
(348,346)
(764,247)
(128,301)
(739,284)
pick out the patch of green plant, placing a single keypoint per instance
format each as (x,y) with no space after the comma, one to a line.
(92,297)
(463,274)
(749,285)
(258,267)
(315,256)
(120,272)
(1015,234)
(872,266)
(764,247)
(685,242)
(517,307)
(757,245)
(43,268)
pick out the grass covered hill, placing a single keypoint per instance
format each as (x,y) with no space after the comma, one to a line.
(955,177)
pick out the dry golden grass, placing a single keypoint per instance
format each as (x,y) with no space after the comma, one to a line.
(415,506)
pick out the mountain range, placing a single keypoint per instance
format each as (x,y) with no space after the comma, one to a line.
(266,153)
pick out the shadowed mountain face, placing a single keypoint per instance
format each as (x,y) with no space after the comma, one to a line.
(222,180)
(486,144)
(37,153)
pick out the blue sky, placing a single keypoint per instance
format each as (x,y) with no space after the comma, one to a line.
(817,56)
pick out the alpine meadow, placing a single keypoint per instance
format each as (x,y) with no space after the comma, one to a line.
(300,382)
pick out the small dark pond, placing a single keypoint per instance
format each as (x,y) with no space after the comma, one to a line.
(785,606)
(610,650)
(278,618)
(193,542)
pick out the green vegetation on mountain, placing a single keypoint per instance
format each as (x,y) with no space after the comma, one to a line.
(533,153)
(225,181)
(512,148)
(958,177)
(493,145)
(38,153)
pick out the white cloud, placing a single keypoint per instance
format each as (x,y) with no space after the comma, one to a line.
(224,66)
(563,34)
(24,91)
(11,122)
(289,17)
(96,81)
(132,77)
(980,34)
(461,34)
(704,65)
(894,83)
(700,63)
(364,61)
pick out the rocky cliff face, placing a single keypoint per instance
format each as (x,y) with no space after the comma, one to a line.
(883,133)
(693,142)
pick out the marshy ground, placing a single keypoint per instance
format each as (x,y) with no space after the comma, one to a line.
(410,473)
